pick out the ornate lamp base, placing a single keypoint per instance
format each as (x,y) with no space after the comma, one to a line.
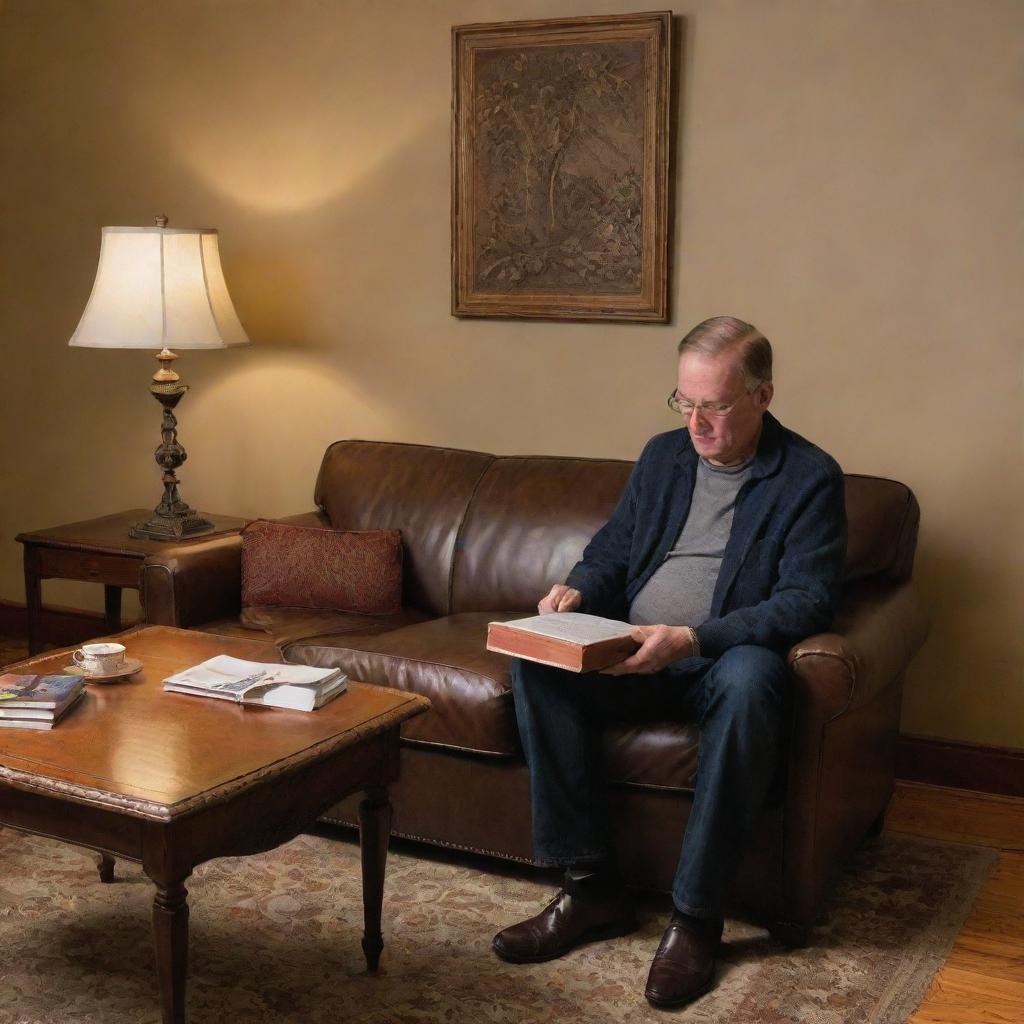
(171,527)
(172,519)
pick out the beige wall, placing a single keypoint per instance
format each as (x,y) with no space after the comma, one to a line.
(847,177)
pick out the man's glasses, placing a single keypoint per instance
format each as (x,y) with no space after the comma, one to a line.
(685,407)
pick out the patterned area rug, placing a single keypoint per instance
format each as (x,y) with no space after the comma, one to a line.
(275,938)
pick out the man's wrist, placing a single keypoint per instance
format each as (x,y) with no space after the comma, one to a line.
(694,642)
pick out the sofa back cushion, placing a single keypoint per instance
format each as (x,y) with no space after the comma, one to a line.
(883,519)
(420,490)
(528,523)
(492,533)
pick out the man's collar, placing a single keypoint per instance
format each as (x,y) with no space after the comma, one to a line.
(767,457)
(769,448)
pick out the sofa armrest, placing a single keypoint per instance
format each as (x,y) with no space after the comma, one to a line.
(316,518)
(847,709)
(193,583)
(878,631)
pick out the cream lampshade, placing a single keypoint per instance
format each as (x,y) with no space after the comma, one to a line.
(155,288)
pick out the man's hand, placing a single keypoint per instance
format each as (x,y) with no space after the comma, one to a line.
(560,598)
(659,646)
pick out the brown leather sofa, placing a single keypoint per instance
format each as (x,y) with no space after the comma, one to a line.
(484,537)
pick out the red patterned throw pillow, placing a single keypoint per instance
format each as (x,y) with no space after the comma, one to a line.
(309,567)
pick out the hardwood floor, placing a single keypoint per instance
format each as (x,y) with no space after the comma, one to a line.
(982,981)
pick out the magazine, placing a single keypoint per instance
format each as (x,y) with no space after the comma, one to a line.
(36,718)
(297,687)
(48,693)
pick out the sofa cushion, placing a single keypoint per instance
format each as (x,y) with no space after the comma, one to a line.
(310,567)
(444,659)
(527,525)
(420,490)
(883,517)
(652,754)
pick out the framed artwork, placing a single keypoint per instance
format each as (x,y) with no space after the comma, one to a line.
(560,146)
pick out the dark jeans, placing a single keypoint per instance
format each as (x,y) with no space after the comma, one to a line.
(740,703)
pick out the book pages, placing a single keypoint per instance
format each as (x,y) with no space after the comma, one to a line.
(574,627)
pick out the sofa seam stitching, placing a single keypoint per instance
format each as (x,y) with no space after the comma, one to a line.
(851,669)
(458,533)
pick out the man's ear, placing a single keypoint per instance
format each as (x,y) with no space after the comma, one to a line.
(765,391)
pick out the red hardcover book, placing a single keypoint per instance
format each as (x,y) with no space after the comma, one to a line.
(570,640)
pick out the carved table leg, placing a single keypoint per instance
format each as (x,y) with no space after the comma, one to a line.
(170,938)
(374,830)
(33,598)
(112,608)
(105,863)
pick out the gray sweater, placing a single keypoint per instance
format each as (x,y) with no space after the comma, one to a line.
(682,587)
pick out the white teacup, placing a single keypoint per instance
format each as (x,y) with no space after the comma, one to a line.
(100,659)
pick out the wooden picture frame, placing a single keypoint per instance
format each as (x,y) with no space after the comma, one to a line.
(560,153)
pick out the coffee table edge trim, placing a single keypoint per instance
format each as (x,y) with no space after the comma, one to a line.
(151,810)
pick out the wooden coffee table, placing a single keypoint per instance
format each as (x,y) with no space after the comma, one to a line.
(172,781)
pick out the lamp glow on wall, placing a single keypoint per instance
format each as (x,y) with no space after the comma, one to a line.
(158,288)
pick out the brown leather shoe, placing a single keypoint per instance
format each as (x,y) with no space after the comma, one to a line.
(684,966)
(566,922)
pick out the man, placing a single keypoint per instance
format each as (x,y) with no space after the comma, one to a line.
(726,548)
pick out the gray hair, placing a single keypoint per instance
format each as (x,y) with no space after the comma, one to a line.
(720,333)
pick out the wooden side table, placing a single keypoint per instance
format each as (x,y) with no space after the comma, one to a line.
(96,551)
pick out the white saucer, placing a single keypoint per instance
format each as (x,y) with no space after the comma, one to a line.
(128,668)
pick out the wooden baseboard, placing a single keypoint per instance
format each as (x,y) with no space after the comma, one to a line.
(61,626)
(961,765)
(935,762)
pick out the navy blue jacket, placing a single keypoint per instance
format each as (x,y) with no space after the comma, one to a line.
(782,570)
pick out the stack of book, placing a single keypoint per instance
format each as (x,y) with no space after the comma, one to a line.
(298,687)
(37,702)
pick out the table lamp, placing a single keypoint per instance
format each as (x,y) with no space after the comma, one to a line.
(158,288)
